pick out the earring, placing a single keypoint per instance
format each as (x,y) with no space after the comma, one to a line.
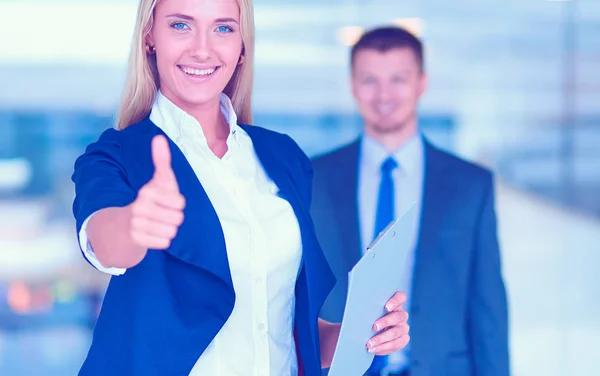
(150,50)
(241,60)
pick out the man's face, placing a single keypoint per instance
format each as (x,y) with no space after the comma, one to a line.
(387,87)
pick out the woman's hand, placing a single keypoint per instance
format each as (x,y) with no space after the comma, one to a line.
(393,328)
(157,212)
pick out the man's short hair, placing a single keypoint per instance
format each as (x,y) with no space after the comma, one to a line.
(386,38)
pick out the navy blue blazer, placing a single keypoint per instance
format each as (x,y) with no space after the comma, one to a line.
(458,315)
(160,316)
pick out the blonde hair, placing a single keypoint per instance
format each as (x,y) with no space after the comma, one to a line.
(142,81)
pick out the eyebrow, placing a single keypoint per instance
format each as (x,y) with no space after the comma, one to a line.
(183,16)
(225,20)
(190,18)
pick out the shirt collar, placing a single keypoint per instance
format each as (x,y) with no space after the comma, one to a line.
(175,122)
(409,156)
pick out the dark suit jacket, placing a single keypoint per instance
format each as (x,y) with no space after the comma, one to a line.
(458,315)
(160,316)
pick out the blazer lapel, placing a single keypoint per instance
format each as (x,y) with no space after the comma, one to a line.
(200,240)
(318,278)
(344,199)
(277,171)
(437,193)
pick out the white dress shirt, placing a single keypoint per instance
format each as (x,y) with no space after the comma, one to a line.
(263,244)
(408,180)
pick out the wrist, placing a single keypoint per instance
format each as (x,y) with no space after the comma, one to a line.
(109,233)
(330,333)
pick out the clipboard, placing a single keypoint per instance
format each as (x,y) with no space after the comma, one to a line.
(371,283)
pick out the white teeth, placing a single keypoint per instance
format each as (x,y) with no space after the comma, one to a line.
(198,72)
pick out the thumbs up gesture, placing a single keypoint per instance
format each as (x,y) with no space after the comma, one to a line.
(157,212)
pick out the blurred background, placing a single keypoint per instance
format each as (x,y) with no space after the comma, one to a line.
(514,85)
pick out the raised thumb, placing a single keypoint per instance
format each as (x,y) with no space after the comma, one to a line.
(161,158)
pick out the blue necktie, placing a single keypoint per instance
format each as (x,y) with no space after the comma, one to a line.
(385,214)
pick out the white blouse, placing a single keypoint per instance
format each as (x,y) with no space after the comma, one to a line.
(263,243)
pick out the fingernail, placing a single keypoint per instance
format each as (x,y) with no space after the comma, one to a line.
(369,345)
(377,326)
(389,307)
(372,350)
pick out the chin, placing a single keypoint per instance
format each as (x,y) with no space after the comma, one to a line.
(200,97)
(387,125)
(394,123)
(388,128)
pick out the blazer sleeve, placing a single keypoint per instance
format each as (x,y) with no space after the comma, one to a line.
(488,314)
(100,179)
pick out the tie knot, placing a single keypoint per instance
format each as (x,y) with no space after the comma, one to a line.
(388,165)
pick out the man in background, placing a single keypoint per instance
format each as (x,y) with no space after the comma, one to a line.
(361,187)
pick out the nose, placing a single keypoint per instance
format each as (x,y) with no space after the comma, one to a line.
(385,93)
(201,46)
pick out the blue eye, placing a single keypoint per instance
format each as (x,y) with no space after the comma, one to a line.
(224,29)
(179,26)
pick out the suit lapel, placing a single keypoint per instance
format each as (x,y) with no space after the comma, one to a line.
(344,199)
(200,240)
(437,194)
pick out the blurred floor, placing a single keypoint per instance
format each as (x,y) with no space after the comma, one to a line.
(55,351)
(550,260)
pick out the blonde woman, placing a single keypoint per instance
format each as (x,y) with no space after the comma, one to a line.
(203,223)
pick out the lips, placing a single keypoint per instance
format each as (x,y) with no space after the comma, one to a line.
(385,109)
